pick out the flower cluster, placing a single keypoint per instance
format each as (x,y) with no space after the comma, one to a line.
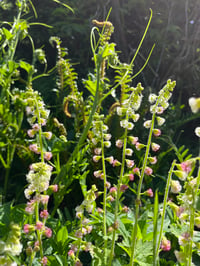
(38,178)
(87,207)
(37,118)
(185,188)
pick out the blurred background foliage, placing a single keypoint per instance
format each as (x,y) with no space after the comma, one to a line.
(175,30)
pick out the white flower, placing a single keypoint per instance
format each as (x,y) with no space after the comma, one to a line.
(124,123)
(130,126)
(135,117)
(129,152)
(160,120)
(119,111)
(152,98)
(38,178)
(147,124)
(194,104)
(197,131)
(175,186)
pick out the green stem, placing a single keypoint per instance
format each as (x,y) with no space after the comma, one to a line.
(104,198)
(138,199)
(10,155)
(117,201)
(164,208)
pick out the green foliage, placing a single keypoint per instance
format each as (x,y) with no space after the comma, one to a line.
(88,157)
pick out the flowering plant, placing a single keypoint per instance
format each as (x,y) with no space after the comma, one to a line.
(100,165)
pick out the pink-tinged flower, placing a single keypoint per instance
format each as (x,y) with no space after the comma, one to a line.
(110,159)
(148,171)
(44,261)
(119,143)
(157,132)
(186,166)
(125,209)
(34,148)
(179,211)
(36,127)
(30,207)
(136,171)
(48,134)
(113,190)
(152,160)
(131,177)
(36,244)
(54,188)
(96,158)
(110,198)
(28,228)
(78,263)
(44,199)
(129,163)
(155,146)
(108,185)
(159,110)
(184,239)
(149,193)
(78,234)
(44,214)
(48,155)
(48,232)
(133,140)
(71,253)
(87,247)
(29,110)
(139,146)
(116,163)
(175,186)
(165,244)
(39,225)
(123,188)
(31,133)
(97,173)
(99,210)
(43,121)
(97,151)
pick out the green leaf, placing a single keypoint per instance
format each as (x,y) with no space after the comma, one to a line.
(108,50)
(7,33)
(91,86)
(62,235)
(26,66)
